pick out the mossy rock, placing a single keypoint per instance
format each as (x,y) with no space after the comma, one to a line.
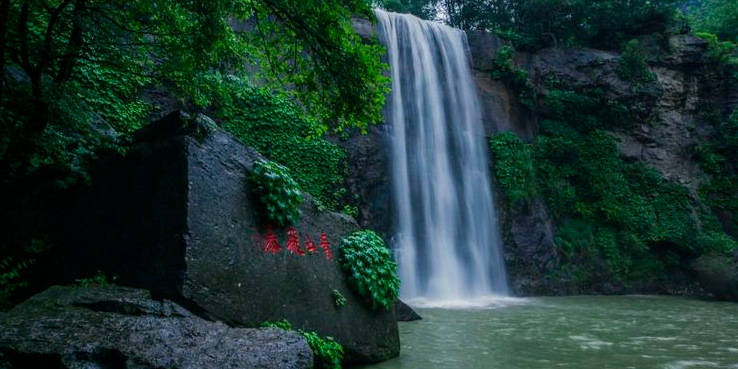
(718,274)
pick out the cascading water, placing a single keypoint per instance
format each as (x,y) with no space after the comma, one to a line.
(448,244)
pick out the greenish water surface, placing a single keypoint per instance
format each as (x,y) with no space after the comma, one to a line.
(574,332)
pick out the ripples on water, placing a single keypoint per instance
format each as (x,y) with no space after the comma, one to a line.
(570,332)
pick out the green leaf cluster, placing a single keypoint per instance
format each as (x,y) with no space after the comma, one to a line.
(338,298)
(719,17)
(725,52)
(277,193)
(368,265)
(633,66)
(14,266)
(515,77)
(328,353)
(99,279)
(513,167)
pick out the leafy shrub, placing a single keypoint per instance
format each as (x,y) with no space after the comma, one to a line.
(633,66)
(517,78)
(277,193)
(513,166)
(14,268)
(99,279)
(368,264)
(328,353)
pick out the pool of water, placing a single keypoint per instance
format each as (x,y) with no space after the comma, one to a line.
(572,332)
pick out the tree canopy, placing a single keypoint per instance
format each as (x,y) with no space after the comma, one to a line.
(75,68)
(534,24)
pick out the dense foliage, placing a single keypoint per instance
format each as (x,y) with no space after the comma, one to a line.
(277,193)
(368,264)
(719,17)
(534,24)
(278,129)
(76,68)
(328,353)
(513,167)
(421,8)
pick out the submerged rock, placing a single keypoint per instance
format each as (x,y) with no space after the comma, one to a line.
(117,327)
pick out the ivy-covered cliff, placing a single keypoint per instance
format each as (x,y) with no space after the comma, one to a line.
(615,173)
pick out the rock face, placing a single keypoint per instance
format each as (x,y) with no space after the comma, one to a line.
(116,327)
(671,108)
(368,182)
(718,274)
(501,110)
(530,251)
(175,217)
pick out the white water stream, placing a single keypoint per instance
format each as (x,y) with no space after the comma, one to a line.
(448,243)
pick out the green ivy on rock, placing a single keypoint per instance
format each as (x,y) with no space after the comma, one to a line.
(615,220)
(278,194)
(279,130)
(328,353)
(368,264)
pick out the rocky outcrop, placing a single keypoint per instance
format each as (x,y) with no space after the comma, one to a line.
(175,217)
(116,327)
(718,274)
(670,109)
(530,251)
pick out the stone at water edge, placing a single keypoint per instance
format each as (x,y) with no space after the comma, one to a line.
(718,274)
(116,327)
(403,312)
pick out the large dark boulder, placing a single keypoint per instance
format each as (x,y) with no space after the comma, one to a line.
(116,327)
(718,274)
(175,217)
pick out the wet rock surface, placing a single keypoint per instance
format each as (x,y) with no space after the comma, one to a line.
(117,327)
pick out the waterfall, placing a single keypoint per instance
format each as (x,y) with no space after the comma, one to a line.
(447,244)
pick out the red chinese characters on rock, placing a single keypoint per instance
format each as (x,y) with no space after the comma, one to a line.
(293,242)
(326,246)
(310,245)
(271,244)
